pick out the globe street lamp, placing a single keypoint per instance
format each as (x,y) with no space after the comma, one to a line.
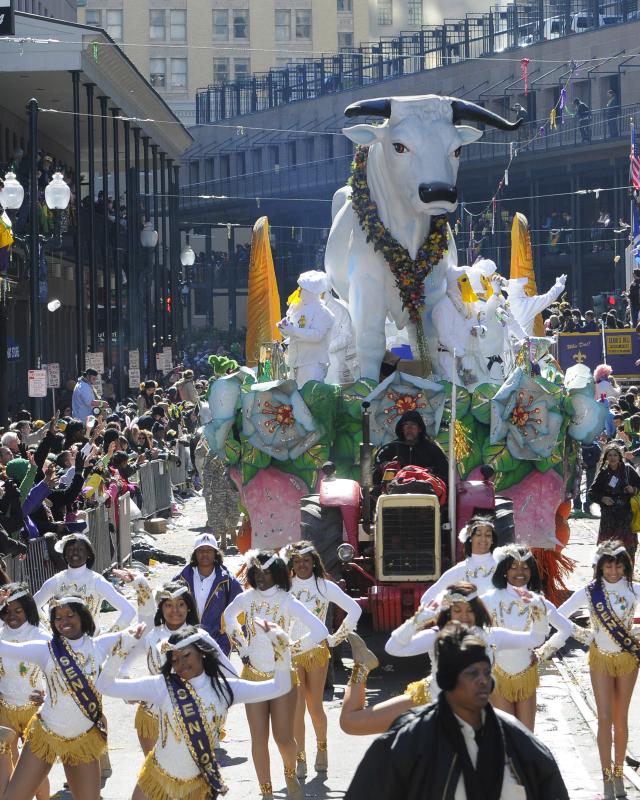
(149,239)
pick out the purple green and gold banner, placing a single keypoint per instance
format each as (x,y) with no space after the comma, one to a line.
(623,350)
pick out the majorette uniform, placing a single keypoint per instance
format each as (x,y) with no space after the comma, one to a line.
(18,679)
(605,654)
(408,640)
(170,772)
(516,671)
(60,729)
(93,589)
(273,605)
(315,595)
(477,570)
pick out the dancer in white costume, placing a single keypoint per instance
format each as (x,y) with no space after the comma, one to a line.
(312,587)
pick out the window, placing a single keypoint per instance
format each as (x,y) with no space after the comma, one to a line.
(414,12)
(194,172)
(157,25)
(114,24)
(178,18)
(385,12)
(221,25)
(291,153)
(240,23)
(158,72)
(241,164)
(345,40)
(303,23)
(345,5)
(225,170)
(328,145)
(93,17)
(274,152)
(283,26)
(178,73)
(220,70)
(209,168)
(241,68)
(257,160)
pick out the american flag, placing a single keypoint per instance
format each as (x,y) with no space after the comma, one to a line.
(634,161)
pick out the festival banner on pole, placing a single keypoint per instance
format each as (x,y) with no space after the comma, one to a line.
(622,351)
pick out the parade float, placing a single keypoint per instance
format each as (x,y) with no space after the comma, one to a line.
(480,376)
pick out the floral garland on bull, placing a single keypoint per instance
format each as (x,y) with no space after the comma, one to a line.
(409,273)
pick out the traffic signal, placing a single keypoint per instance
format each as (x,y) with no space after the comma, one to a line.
(168,304)
(611,300)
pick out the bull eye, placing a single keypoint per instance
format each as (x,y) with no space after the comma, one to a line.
(399,147)
(457,152)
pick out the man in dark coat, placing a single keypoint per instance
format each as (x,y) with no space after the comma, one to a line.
(458,746)
(411,448)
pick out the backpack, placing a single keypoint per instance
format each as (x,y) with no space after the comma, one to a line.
(418,480)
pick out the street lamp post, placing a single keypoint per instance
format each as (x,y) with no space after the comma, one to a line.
(149,240)
(187,259)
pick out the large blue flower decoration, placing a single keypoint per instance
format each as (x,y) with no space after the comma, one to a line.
(276,420)
(588,416)
(525,414)
(219,411)
(399,393)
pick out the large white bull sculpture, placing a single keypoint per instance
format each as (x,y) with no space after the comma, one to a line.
(412,168)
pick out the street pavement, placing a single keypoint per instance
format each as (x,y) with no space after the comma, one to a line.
(560,724)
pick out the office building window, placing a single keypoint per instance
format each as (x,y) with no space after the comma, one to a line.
(178,17)
(240,23)
(220,25)
(303,23)
(257,160)
(194,172)
(241,164)
(385,12)
(283,25)
(220,70)
(225,167)
(274,153)
(158,72)
(157,25)
(345,5)
(241,68)
(414,12)
(93,17)
(178,73)
(345,40)
(209,168)
(114,24)
(292,154)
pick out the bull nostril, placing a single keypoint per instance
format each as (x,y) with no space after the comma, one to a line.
(438,192)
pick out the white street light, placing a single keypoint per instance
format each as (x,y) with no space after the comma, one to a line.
(57,194)
(187,256)
(12,195)
(53,305)
(148,236)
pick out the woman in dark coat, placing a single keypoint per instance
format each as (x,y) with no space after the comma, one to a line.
(613,487)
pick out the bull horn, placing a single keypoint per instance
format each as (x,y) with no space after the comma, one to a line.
(377,107)
(462,109)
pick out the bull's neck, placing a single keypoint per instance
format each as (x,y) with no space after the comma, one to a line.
(398,216)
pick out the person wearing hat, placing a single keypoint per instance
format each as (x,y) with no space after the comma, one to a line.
(146,397)
(79,555)
(459,747)
(85,395)
(155,414)
(212,586)
(307,328)
(186,387)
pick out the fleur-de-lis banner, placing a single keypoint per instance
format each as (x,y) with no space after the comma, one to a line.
(6,18)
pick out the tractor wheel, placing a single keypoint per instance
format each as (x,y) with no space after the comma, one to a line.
(322,525)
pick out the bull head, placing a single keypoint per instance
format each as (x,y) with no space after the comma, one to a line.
(420,144)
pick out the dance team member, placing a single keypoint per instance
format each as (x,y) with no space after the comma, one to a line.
(211,585)
(269,599)
(193,694)
(310,585)
(18,680)
(516,603)
(480,540)
(611,599)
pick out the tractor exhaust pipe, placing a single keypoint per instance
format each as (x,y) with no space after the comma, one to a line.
(366,465)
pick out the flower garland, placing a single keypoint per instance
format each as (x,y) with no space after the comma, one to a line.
(409,274)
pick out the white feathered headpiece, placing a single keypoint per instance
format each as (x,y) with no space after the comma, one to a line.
(606,549)
(518,552)
(251,559)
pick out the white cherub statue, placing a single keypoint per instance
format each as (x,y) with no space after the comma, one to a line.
(525,309)
(307,328)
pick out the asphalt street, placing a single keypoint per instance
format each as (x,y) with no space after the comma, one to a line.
(561,725)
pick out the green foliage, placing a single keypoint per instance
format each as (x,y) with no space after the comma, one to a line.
(504,480)
(481,402)
(498,456)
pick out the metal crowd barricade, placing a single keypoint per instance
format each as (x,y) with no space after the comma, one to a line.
(101,537)
(179,466)
(162,485)
(123,528)
(36,568)
(147,488)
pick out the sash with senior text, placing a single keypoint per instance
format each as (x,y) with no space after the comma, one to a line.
(610,620)
(192,723)
(84,694)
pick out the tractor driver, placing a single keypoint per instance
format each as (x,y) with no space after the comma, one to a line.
(412,447)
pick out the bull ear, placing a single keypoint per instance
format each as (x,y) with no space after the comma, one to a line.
(364,135)
(468,134)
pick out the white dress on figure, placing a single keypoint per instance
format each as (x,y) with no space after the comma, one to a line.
(474,569)
(307,327)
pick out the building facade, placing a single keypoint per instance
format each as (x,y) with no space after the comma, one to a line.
(182,46)
(56,9)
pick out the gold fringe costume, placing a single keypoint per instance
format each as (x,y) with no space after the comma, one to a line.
(16,717)
(613,664)
(159,785)
(419,692)
(316,658)
(519,686)
(254,675)
(48,746)
(147,723)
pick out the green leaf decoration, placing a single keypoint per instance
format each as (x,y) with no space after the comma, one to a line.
(463,402)
(498,456)
(481,402)
(545,464)
(233,449)
(256,458)
(352,397)
(248,472)
(322,400)
(504,480)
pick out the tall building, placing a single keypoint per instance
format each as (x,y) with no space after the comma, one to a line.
(56,9)
(184,45)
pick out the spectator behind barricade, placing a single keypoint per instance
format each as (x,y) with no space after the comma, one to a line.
(147,421)
(12,441)
(186,387)
(606,386)
(577,319)
(85,398)
(5,455)
(146,398)
(567,323)
(590,324)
